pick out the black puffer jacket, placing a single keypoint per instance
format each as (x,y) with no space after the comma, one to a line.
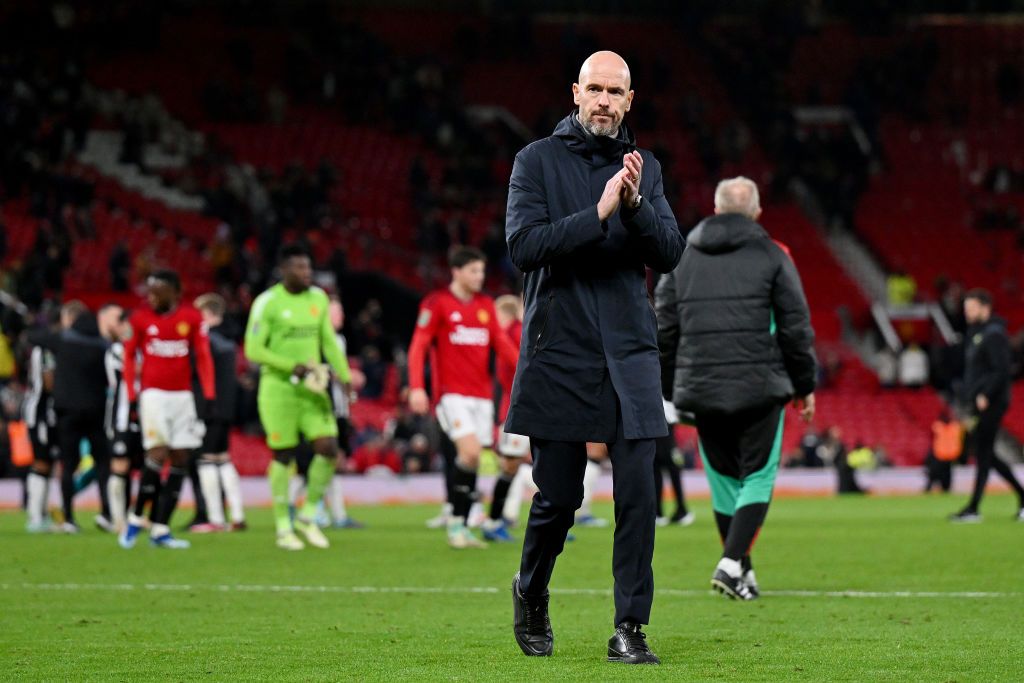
(734,330)
(988,358)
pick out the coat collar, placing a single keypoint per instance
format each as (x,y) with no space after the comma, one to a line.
(596,148)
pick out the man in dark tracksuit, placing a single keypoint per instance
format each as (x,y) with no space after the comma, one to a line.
(80,398)
(736,344)
(586,214)
(987,393)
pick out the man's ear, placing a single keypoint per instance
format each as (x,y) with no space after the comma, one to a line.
(576,93)
(629,100)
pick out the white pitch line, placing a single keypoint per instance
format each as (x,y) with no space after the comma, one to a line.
(471,590)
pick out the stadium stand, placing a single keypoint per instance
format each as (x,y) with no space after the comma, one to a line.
(379,187)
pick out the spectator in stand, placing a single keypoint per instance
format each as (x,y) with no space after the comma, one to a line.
(847,463)
(375,456)
(375,370)
(902,289)
(418,455)
(951,299)
(120,267)
(913,367)
(833,450)
(809,445)
(887,367)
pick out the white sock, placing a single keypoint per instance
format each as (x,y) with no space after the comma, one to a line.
(209,482)
(38,489)
(296,487)
(116,492)
(232,484)
(517,491)
(731,567)
(476,514)
(336,499)
(158,530)
(590,476)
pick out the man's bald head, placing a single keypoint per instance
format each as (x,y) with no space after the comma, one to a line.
(605,62)
(602,93)
(738,195)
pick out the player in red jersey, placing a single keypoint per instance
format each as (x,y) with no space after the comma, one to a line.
(167,336)
(513,449)
(461,325)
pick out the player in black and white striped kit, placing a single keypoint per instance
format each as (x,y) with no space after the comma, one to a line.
(122,426)
(41,419)
(342,397)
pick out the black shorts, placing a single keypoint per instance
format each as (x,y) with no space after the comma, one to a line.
(739,444)
(44,442)
(303,458)
(215,441)
(344,436)
(128,445)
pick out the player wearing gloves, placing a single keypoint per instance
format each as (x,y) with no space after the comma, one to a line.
(288,334)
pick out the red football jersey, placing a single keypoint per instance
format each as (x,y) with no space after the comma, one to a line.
(507,371)
(167,342)
(462,333)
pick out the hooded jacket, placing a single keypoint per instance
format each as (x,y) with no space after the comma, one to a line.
(987,360)
(733,324)
(589,345)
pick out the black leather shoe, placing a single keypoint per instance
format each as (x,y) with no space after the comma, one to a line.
(629,646)
(531,623)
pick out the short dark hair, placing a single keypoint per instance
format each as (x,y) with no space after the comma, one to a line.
(169,276)
(292,250)
(982,296)
(459,256)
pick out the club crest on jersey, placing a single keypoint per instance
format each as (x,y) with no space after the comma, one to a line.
(483,316)
(182,329)
(424,318)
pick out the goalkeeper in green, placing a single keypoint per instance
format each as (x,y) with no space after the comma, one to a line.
(289,334)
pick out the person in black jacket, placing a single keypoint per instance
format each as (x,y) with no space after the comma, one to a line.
(217,474)
(80,398)
(586,214)
(736,345)
(987,394)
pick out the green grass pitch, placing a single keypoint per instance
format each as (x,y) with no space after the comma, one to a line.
(392,602)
